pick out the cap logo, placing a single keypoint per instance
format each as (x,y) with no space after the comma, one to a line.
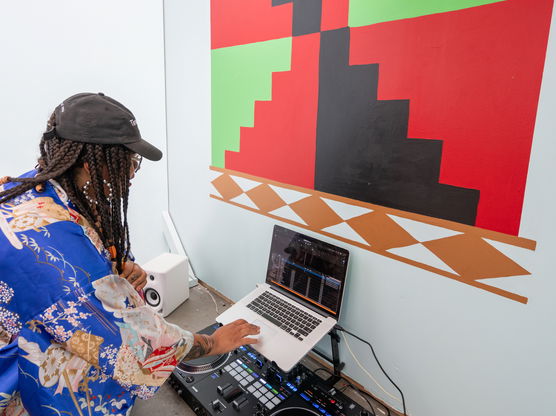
(133,122)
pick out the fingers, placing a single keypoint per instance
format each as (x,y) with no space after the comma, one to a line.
(249,329)
(245,341)
(243,324)
(133,277)
(128,269)
(233,335)
(134,274)
(141,286)
(244,328)
(138,277)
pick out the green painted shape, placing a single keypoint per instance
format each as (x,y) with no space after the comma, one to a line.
(240,76)
(368,12)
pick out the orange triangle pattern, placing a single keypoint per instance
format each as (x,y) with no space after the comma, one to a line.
(464,249)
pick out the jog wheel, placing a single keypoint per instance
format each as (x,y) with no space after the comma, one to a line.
(204,364)
(295,411)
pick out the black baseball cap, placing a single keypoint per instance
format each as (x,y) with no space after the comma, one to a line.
(97,118)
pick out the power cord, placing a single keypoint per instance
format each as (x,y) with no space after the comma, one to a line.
(358,391)
(367,372)
(339,328)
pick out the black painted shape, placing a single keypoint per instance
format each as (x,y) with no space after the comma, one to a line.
(363,151)
(306,15)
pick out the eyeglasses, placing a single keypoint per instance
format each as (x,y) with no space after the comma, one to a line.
(136,162)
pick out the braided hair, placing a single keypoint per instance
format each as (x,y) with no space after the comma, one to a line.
(59,159)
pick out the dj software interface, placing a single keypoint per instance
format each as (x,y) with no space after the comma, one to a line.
(309,269)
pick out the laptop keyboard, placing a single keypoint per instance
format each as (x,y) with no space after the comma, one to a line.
(283,314)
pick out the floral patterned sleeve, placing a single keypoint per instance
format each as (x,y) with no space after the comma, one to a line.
(113,330)
(74,337)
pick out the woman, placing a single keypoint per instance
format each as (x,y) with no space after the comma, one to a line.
(75,336)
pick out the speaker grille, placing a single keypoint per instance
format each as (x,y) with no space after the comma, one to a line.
(152,297)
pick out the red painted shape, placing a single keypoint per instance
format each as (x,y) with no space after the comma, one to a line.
(237,22)
(473,79)
(282,144)
(334,14)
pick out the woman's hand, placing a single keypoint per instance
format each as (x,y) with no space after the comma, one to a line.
(135,275)
(224,339)
(229,337)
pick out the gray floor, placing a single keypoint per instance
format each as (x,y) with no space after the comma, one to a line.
(198,312)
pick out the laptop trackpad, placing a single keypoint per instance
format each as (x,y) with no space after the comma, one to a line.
(266,332)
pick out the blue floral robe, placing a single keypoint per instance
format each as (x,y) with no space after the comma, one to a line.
(74,337)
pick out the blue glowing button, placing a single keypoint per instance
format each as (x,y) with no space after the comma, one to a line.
(291,386)
(316,406)
(242,348)
(283,397)
(255,375)
(305,396)
(322,410)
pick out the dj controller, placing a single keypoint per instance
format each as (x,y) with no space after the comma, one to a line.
(244,383)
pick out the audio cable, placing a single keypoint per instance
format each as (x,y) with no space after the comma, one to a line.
(367,372)
(345,331)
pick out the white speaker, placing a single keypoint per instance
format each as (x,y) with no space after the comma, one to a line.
(167,282)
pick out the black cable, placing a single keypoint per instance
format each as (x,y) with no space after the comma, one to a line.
(348,384)
(339,328)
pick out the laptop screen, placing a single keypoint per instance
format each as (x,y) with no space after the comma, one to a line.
(309,269)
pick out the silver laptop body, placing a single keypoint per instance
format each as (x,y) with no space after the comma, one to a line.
(300,301)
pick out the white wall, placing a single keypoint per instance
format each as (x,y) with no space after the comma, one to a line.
(53,49)
(453,349)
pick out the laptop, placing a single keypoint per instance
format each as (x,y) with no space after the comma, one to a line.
(300,301)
